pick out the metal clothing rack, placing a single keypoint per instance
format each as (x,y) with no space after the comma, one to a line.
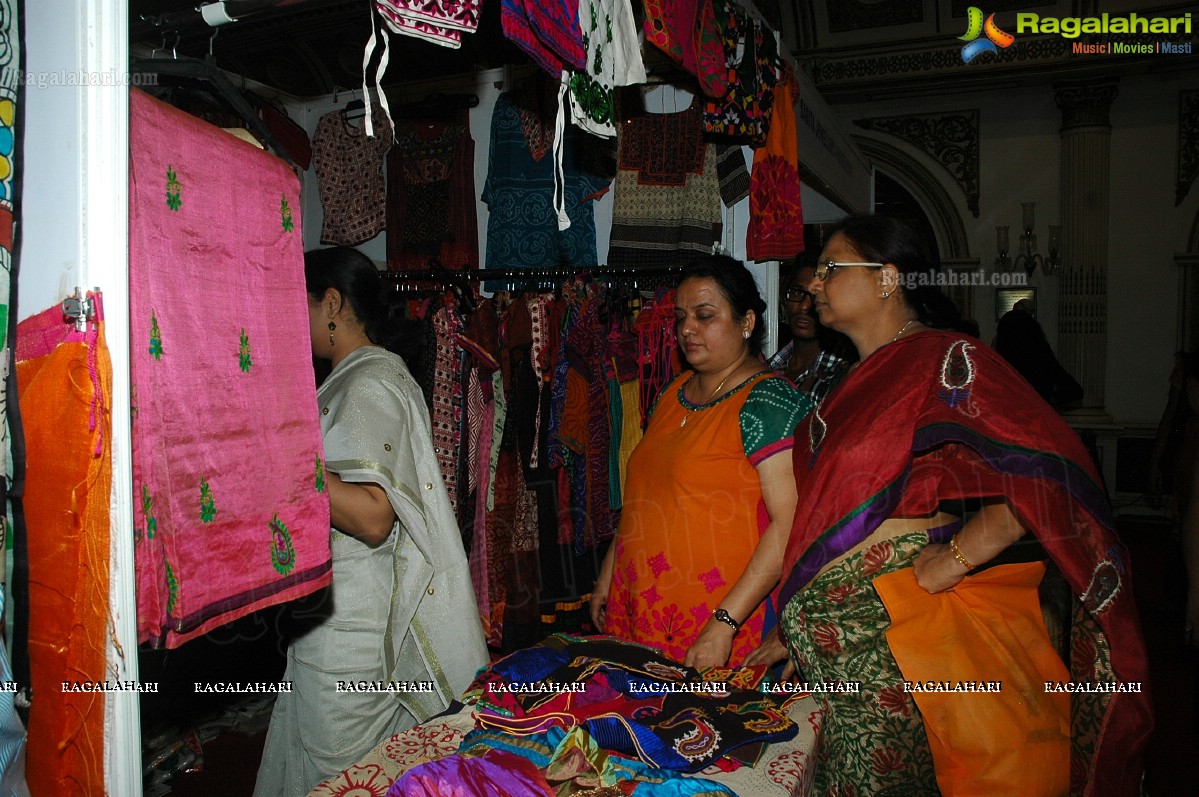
(524,278)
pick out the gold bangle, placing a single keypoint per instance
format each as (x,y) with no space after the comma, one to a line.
(957,553)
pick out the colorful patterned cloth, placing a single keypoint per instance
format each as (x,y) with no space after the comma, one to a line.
(688,32)
(751,57)
(228,473)
(775,211)
(875,741)
(439,21)
(349,172)
(784,769)
(431,195)
(669,186)
(613,59)
(547,30)
(964,425)
(693,512)
(631,701)
(521,227)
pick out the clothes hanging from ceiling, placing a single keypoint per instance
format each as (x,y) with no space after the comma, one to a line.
(688,32)
(519,191)
(775,205)
(349,171)
(613,59)
(742,113)
(548,31)
(431,195)
(439,21)
(669,186)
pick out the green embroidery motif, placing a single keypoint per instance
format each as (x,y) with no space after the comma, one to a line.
(174,190)
(155,337)
(148,511)
(243,357)
(320,475)
(283,553)
(285,213)
(207,502)
(172,587)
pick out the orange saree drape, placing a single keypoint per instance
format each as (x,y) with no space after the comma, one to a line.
(64,385)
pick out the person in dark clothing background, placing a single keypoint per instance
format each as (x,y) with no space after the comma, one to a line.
(1020,340)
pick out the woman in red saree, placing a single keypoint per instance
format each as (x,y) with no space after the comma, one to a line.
(927,422)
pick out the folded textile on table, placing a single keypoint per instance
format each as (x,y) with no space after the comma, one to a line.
(631,700)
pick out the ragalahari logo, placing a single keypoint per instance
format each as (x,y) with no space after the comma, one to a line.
(995,40)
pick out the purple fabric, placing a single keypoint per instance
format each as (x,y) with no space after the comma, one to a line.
(496,774)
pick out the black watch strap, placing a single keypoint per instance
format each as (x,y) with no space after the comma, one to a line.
(724,617)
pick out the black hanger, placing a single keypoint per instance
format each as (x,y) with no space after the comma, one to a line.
(207,72)
(355,109)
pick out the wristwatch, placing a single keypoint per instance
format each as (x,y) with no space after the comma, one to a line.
(723,616)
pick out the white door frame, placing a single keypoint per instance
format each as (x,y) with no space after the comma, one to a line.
(74,216)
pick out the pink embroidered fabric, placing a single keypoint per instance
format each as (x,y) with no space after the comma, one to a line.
(439,21)
(231,513)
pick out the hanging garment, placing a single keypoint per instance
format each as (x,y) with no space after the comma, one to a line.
(446,409)
(521,227)
(431,195)
(743,112)
(349,172)
(230,509)
(775,210)
(547,30)
(687,31)
(669,186)
(439,21)
(613,59)
(65,393)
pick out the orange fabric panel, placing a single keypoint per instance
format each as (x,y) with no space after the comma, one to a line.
(64,383)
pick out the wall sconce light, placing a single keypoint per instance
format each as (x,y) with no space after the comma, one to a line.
(1028,257)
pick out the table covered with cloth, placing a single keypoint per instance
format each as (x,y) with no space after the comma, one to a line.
(597,716)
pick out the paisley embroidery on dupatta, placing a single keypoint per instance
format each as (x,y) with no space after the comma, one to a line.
(957,377)
(1103,588)
(283,553)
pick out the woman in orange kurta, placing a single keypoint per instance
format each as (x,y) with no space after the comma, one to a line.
(708,501)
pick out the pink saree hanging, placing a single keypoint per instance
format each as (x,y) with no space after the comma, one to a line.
(231,508)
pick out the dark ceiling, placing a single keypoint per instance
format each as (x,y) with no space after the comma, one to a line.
(309,48)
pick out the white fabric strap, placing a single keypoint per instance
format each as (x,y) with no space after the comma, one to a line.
(368,53)
(383,60)
(559,172)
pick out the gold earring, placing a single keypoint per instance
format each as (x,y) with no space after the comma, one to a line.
(886,294)
(332,327)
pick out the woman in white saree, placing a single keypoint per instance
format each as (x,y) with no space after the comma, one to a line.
(398,635)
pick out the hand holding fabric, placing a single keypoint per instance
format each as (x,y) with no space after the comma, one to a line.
(712,647)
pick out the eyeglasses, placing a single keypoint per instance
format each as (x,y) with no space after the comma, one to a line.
(825,268)
(797,295)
